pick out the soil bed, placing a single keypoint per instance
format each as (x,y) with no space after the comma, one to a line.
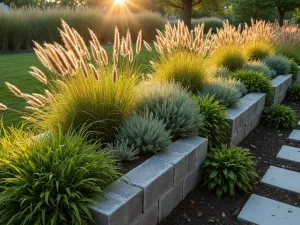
(203,207)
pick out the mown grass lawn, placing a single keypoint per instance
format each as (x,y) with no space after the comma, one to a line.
(14,69)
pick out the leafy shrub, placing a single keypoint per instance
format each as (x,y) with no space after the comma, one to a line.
(258,50)
(278,63)
(222,90)
(227,170)
(235,83)
(52,179)
(102,105)
(279,116)
(293,93)
(183,67)
(255,82)
(219,71)
(146,133)
(174,105)
(216,123)
(209,23)
(229,56)
(260,67)
(294,70)
(122,151)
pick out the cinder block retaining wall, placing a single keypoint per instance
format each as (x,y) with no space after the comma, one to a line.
(280,86)
(149,192)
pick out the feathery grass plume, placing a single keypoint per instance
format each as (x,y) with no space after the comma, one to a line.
(72,62)
(115,74)
(139,43)
(95,53)
(68,31)
(123,47)
(95,40)
(82,45)
(147,46)
(3,107)
(29,119)
(115,58)
(34,99)
(104,56)
(131,55)
(40,97)
(61,83)
(31,103)
(39,72)
(128,41)
(38,77)
(116,41)
(14,89)
(94,71)
(71,46)
(33,109)
(84,70)
(61,55)
(50,96)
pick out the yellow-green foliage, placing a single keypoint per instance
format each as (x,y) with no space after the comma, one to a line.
(186,68)
(258,50)
(20,26)
(101,104)
(230,56)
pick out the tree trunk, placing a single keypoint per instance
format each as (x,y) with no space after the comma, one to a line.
(187,13)
(281,16)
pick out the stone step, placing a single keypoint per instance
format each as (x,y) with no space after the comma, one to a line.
(289,153)
(265,211)
(282,178)
(295,135)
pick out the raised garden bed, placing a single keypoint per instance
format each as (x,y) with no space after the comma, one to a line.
(280,85)
(149,192)
(245,117)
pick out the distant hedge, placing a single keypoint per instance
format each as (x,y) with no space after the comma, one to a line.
(209,22)
(19,27)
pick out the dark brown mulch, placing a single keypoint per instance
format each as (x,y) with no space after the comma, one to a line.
(203,207)
(127,166)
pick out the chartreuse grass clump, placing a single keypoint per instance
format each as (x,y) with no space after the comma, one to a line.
(50,180)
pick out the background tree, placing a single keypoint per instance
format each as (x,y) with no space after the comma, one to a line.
(187,6)
(284,6)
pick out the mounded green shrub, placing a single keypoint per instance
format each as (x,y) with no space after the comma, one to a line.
(254,82)
(228,169)
(278,63)
(209,23)
(293,93)
(51,180)
(146,133)
(279,116)
(184,67)
(216,122)
(219,71)
(122,151)
(258,50)
(229,56)
(260,67)
(174,105)
(224,91)
(294,70)
(291,51)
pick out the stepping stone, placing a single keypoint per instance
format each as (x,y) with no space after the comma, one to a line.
(289,153)
(282,178)
(295,135)
(265,211)
(298,123)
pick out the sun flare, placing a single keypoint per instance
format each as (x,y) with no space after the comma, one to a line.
(120,2)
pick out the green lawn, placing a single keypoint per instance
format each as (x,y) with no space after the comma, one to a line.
(14,69)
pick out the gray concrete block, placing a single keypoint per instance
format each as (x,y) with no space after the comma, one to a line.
(191,181)
(295,135)
(237,118)
(282,178)
(122,206)
(265,211)
(149,217)
(255,121)
(247,128)
(237,138)
(200,144)
(170,200)
(289,153)
(155,177)
(280,85)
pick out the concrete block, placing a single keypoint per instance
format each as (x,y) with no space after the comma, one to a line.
(237,138)
(289,153)
(255,121)
(247,128)
(149,217)
(191,181)
(155,177)
(122,206)
(237,117)
(295,135)
(170,200)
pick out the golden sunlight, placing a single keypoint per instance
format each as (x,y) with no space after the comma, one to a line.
(120,2)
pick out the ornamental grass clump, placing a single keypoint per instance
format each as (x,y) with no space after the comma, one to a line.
(279,116)
(228,170)
(219,71)
(260,67)
(258,50)
(186,68)
(146,133)
(255,82)
(294,70)
(87,88)
(172,104)
(231,57)
(216,121)
(278,63)
(223,90)
(50,180)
